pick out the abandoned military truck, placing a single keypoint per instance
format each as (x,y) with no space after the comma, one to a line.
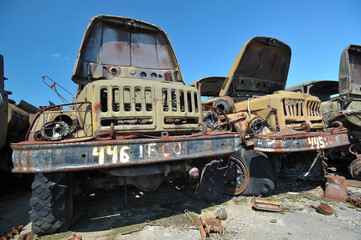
(282,133)
(341,101)
(14,122)
(132,122)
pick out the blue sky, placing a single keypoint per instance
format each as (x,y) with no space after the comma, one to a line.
(43,37)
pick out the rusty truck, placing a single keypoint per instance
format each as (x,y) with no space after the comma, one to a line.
(341,101)
(14,122)
(133,121)
(282,133)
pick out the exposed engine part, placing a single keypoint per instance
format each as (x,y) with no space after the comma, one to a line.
(147,183)
(224,103)
(256,125)
(55,130)
(211,119)
(144,183)
(194,174)
(203,127)
(355,168)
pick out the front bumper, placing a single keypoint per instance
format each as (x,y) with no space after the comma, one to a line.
(298,141)
(29,157)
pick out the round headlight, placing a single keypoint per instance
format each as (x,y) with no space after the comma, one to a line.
(257,125)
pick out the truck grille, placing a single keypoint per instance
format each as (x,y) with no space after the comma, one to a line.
(297,111)
(298,108)
(179,107)
(142,107)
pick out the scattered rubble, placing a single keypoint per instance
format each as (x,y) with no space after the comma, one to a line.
(324,208)
(14,231)
(265,205)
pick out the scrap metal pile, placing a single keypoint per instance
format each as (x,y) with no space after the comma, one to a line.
(133,121)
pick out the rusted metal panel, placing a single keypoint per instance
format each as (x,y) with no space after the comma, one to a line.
(30,157)
(289,140)
(336,188)
(265,205)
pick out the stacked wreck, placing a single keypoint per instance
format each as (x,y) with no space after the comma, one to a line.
(14,121)
(133,121)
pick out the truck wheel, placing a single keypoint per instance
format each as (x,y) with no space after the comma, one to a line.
(296,166)
(236,175)
(51,202)
(261,175)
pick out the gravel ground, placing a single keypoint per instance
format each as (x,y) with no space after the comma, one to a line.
(167,214)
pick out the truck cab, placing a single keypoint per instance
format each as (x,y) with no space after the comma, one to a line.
(286,127)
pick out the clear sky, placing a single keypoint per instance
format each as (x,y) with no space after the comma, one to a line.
(43,37)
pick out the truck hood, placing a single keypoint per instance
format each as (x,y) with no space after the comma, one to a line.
(116,46)
(260,68)
(209,86)
(323,89)
(350,71)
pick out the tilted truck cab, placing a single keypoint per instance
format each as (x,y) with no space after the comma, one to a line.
(275,123)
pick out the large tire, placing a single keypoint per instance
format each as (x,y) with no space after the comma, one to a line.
(211,183)
(236,175)
(51,202)
(298,166)
(262,179)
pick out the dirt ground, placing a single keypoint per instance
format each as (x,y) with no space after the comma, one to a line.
(167,214)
